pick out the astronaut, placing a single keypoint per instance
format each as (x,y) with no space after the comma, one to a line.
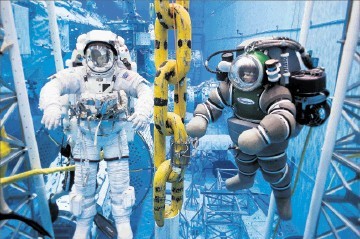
(263,86)
(102,83)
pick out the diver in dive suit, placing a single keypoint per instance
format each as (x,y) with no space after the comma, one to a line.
(262,86)
(102,87)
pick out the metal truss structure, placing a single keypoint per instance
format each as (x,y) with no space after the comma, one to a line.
(27,197)
(222,210)
(334,210)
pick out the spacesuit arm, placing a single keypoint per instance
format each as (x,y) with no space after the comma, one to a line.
(210,110)
(145,101)
(136,86)
(64,82)
(277,126)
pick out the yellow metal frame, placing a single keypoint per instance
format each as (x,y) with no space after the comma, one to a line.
(170,16)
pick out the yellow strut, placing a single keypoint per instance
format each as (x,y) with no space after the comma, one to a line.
(170,16)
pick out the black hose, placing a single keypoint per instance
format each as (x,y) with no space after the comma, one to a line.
(36,226)
(283,42)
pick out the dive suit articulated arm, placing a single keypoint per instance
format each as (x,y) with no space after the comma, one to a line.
(210,110)
(279,125)
(280,122)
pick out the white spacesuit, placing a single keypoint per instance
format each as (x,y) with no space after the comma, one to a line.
(101,87)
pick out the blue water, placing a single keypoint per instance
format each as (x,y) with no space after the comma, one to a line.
(216,25)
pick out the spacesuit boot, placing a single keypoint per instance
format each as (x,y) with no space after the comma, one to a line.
(247,165)
(122,196)
(124,230)
(83,226)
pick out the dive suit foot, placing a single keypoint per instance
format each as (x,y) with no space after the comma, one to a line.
(284,208)
(239,182)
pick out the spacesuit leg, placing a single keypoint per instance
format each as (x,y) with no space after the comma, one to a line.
(82,196)
(247,165)
(122,194)
(276,171)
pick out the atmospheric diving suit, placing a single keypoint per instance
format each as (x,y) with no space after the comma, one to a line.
(102,85)
(263,86)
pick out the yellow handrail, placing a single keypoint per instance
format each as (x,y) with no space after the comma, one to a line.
(170,16)
(20,176)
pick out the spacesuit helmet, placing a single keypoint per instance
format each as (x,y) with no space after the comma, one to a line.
(100,57)
(99,49)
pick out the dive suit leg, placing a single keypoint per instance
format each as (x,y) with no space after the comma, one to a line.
(276,171)
(247,165)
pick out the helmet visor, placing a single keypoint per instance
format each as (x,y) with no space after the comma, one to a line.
(99,57)
(245,73)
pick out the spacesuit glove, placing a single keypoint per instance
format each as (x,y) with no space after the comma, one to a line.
(197,126)
(251,142)
(52,117)
(139,121)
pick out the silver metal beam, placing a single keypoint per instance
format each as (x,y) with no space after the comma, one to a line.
(347,222)
(350,121)
(353,103)
(7,114)
(22,203)
(336,109)
(328,219)
(270,218)
(341,176)
(13,141)
(24,234)
(305,24)
(327,234)
(24,109)
(341,187)
(13,155)
(7,98)
(348,163)
(55,36)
